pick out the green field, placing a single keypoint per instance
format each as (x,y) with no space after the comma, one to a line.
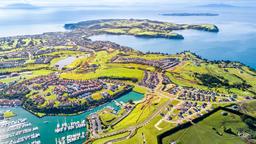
(229,78)
(249,108)
(103,140)
(107,69)
(139,27)
(141,112)
(24,76)
(109,66)
(203,132)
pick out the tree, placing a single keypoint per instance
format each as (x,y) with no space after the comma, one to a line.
(131,101)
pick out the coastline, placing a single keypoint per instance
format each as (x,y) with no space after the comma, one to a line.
(116,96)
(174,37)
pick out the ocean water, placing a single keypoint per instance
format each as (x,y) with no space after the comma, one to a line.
(235,41)
(48,124)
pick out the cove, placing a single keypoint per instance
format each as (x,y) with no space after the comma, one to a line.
(212,46)
(47,124)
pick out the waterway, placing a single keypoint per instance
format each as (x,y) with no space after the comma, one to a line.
(48,124)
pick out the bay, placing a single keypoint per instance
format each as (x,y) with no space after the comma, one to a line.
(235,41)
(48,124)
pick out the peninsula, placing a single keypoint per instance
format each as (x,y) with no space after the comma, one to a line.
(178,90)
(137,27)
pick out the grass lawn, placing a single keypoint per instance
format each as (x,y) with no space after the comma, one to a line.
(185,76)
(103,140)
(165,125)
(97,96)
(139,89)
(27,76)
(140,113)
(109,72)
(202,132)
(76,63)
(149,131)
(114,31)
(107,117)
(132,66)
(249,108)
(105,69)
(28,67)
(150,56)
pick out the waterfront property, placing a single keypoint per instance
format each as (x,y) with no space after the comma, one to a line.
(67,78)
(47,126)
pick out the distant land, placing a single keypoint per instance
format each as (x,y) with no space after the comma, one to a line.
(189,14)
(218,6)
(138,27)
(21,6)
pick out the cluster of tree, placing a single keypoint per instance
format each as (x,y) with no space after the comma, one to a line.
(211,81)
(69,109)
(160,53)
(219,81)
(250,122)
(229,131)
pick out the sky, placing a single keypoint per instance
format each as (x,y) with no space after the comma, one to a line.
(106,2)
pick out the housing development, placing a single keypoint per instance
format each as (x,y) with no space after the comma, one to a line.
(84,91)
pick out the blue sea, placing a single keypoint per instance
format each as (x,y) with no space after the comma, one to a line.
(236,40)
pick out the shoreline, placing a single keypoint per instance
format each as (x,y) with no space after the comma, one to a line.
(93,34)
(176,37)
(120,94)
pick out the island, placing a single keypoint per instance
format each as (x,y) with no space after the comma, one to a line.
(172,93)
(21,6)
(218,5)
(139,28)
(8,114)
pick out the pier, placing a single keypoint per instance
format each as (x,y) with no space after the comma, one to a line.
(70,126)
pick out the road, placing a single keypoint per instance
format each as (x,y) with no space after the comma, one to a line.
(156,92)
(131,129)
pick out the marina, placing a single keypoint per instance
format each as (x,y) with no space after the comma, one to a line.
(18,126)
(27,128)
(11,123)
(20,132)
(151,72)
(36,142)
(23,139)
(70,138)
(70,126)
